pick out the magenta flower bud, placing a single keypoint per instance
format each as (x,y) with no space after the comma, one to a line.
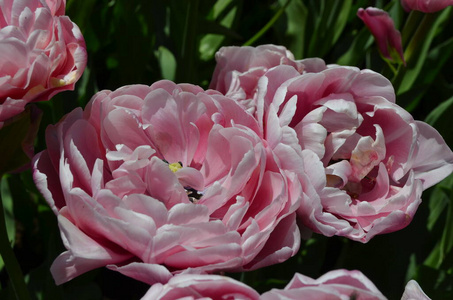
(383,29)
(426,6)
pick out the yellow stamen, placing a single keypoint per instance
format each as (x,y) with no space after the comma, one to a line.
(55,82)
(175,166)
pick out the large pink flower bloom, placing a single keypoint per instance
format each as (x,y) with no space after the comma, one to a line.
(369,160)
(151,181)
(338,284)
(383,29)
(427,6)
(201,287)
(41,53)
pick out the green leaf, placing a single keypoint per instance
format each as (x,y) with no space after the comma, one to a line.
(440,118)
(355,54)
(417,49)
(217,30)
(167,63)
(296,18)
(8,209)
(435,62)
(441,204)
(411,268)
(268,25)
(330,22)
(434,259)
(435,115)
(446,243)
(437,204)
(437,284)
(186,26)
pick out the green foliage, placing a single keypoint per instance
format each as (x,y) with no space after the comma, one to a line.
(418,48)
(8,211)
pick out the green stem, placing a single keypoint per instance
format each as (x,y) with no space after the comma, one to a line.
(12,265)
(417,48)
(412,22)
(266,27)
(390,65)
(189,44)
(419,37)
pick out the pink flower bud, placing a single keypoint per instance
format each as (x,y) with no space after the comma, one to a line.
(427,6)
(387,36)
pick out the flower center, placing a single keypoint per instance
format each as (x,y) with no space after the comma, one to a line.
(192,193)
(174,167)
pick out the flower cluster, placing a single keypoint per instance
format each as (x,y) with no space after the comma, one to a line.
(174,185)
(165,183)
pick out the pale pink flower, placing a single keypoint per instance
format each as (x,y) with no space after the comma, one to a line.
(427,6)
(368,159)
(413,291)
(41,53)
(238,69)
(154,181)
(204,287)
(383,29)
(338,284)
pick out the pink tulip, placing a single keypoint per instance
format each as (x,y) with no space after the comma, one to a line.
(381,26)
(338,284)
(368,159)
(42,53)
(413,291)
(426,6)
(201,287)
(155,181)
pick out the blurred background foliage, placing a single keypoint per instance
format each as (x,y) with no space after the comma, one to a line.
(133,41)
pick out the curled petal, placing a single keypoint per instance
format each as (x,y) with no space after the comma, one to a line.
(414,291)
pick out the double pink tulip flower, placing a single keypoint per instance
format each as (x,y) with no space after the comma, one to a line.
(155,181)
(369,160)
(41,53)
